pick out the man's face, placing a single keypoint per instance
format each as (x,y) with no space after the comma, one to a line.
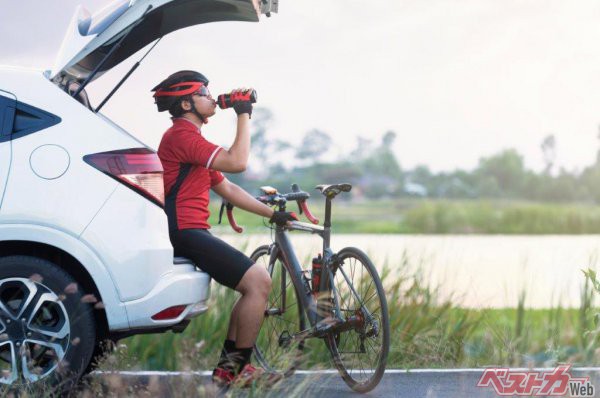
(203,102)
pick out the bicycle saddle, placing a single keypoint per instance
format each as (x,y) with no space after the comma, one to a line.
(334,189)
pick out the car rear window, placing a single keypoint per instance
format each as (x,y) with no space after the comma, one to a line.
(29,119)
(7,116)
(18,119)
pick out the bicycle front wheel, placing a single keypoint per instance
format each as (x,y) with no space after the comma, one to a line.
(275,350)
(356,293)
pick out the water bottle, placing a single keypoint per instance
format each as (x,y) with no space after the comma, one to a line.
(224,100)
(317,264)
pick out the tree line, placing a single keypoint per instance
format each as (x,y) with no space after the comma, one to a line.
(375,172)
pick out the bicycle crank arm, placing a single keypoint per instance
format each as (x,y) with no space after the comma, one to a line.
(328,326)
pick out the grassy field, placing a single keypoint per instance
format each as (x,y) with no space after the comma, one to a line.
(426,332)
(424,216)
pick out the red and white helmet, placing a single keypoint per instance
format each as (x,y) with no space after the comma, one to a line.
(177,87)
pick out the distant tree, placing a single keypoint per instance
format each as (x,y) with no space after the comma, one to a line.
(549,152)
(458,184)
(502,174)
(364,147)
(381,171)
(261,122)
(388,139)
(421,175)
(418,181)
(314,146)
(269,152)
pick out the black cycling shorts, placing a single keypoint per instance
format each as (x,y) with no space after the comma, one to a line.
(221,261)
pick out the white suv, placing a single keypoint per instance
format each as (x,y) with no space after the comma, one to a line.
(84,248)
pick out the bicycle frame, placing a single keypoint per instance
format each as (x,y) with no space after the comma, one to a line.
(296,272)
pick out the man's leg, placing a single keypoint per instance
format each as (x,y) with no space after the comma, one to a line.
(227,360)
(232,330)
(235,354)
(246,318)
(255,287)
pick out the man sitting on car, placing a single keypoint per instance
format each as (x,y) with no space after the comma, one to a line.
(192,166)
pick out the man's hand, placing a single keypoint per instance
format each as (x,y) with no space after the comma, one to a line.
(282,217)
(241,101)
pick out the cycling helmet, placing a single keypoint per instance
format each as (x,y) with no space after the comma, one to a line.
(179,86)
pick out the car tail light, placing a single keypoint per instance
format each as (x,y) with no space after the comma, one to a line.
(138,168)
(169,313)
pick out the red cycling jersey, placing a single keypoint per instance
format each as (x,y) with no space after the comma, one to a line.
(186,157)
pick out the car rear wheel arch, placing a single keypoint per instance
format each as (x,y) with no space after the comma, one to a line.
(69,264)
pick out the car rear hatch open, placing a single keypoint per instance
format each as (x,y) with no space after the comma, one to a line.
(126,26)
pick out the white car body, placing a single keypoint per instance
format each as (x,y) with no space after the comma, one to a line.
(53,203)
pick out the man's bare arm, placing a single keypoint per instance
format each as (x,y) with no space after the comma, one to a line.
(235,159)
(242,199)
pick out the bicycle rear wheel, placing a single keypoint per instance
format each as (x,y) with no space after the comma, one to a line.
(284,316)
(360,354)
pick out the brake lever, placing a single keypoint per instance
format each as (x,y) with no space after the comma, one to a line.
(307,212)
(232,222)
(223,204)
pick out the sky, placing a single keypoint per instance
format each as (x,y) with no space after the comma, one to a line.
(455,79)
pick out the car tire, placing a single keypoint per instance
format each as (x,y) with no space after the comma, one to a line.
(47,326)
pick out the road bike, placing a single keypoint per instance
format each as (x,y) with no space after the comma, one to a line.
(340,299)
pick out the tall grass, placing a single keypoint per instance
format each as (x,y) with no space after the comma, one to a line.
(426,331)
(501,217)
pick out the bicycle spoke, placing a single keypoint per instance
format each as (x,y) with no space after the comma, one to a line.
(284,320)
(376,309)
(369,288)
(369,299)
(352,269)
(360,283)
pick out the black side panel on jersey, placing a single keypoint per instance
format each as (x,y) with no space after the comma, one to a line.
(171,198)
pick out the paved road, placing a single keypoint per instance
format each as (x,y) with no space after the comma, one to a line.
(458,383)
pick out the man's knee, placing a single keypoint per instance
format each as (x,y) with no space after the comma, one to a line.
(256,280)
(262,281)
(266,282)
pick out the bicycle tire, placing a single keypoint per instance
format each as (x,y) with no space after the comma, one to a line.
(269,349)
(336,342)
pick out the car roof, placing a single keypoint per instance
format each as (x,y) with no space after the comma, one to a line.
(90,38)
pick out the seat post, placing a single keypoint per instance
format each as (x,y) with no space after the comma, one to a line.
(327,224)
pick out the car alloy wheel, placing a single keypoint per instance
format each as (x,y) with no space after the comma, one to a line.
(34,331)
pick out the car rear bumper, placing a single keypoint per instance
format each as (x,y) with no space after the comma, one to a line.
(185,285)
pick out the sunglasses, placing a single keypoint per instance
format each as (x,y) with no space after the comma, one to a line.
(202,92)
